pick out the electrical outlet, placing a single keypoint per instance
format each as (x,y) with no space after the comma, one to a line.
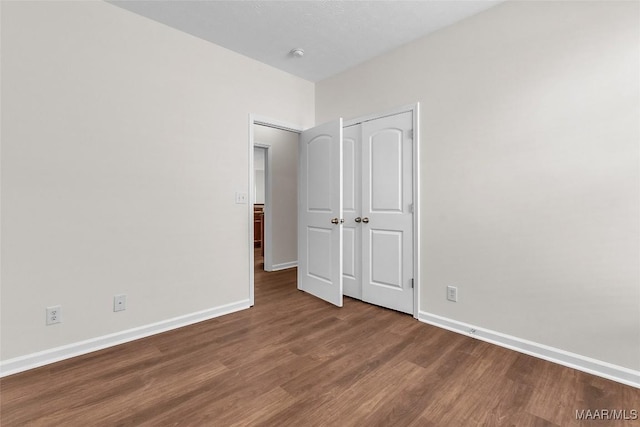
(119,302)
(452,293)
(54,314)
(242,198)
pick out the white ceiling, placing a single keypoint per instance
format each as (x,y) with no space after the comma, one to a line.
(336,35)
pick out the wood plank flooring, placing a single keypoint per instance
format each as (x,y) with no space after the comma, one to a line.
(295,360)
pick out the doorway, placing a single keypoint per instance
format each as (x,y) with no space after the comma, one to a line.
(278,142)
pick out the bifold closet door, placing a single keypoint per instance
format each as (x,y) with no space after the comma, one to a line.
(387,212)
(320,212)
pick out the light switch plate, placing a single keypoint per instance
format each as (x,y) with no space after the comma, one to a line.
(242,198)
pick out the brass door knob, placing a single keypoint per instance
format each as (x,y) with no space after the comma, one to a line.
(358,220)
(335,221)
(365,220)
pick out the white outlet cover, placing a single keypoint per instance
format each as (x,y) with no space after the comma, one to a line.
(452,293)
(54,314)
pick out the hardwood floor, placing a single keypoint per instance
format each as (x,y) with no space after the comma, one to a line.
(295,360)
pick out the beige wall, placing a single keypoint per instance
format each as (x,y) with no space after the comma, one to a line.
(284,194)
(123,143)
(530,173)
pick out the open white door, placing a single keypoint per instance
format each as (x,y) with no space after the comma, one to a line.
(320,212)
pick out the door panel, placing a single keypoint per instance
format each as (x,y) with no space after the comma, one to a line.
(348,254)
(320,252)
(320,196)
(386,258)
(319,169)
(387,198)
(349,171)
(385,172)
(351,210)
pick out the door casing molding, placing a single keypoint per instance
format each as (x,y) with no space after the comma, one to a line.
(268,216)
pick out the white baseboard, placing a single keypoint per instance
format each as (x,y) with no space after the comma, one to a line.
(34,360)
(284,266)
(561,357)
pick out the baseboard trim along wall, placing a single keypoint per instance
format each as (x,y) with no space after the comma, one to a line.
(284,265)
(551,354)
(35,360)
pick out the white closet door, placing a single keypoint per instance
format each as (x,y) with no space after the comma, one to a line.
(320,212)
(387,219)
(351,201)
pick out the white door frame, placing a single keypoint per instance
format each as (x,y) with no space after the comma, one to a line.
(272,123)
(415,111)
(267,223)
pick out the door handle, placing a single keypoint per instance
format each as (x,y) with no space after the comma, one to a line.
(337,221)
(365,220)
(358,220)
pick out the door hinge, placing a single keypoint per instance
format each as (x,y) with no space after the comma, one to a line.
(411,207)
(411,283)
(410,133)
